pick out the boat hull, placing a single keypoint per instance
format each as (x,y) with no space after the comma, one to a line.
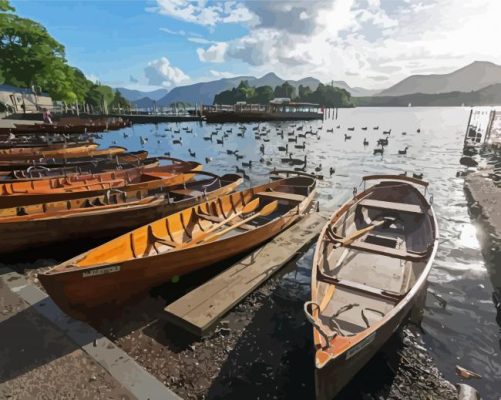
(219,117)
(158,181)
(80,291)
(340,358)
(21,235)
(334,376)
(137,276)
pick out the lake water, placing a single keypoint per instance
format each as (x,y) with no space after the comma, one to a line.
(464,332)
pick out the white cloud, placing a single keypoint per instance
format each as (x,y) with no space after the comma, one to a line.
(200,40)
(161,73)
(202,12)
(171,32)
(215,53)
(222,74)
(363,41)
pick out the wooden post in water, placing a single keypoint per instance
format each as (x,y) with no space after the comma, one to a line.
(468,126)
(492,117)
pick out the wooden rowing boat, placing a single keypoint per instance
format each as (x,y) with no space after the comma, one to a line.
(369,269)
(123,158)
(176,245)
(35,151)
(53,189)
(41,146)
(37,172)
(112,213)
(69,152)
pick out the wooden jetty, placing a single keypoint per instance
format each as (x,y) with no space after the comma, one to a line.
(157,118)
(200,309)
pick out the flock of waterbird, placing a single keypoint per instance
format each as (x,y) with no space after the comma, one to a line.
(295,137)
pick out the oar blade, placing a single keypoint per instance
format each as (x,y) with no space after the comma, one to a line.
(251,206)
(268,209)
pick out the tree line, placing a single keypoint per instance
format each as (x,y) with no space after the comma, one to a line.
(31,58)
(325,95)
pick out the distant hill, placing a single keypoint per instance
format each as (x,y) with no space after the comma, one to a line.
(145,102)
(354,91)
(135,95)
(204,92)
(488,96)
(472,77)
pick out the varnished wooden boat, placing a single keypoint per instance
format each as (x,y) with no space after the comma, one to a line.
(53,189)
(90,150)
(37,172)
(124,158)
(41,146)
(176,245)
(36,150)
(106,215)
(369,269)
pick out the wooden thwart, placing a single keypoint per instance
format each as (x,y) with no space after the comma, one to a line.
(200,309)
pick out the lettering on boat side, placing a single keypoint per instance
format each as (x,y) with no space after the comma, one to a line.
(101,271)
(355,349)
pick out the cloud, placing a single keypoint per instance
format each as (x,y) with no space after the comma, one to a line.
(336,39)
(161,73)
(378,78)
(221,74)
(214,54)
(202,12)
(200,40)
(171,32)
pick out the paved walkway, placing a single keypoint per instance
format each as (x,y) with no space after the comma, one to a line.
(47,355)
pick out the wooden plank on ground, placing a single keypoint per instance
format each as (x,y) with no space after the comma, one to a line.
(200,309)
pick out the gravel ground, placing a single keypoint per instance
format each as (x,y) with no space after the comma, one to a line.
(261,350)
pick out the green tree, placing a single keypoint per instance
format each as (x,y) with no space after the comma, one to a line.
(263,95)
(285,90)
(30,57)
(5,6)
(119,101)
(303,92)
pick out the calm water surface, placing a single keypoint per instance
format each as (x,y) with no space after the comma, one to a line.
(464,332)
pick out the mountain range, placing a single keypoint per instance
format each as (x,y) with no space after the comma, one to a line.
(488,96)
(473,77)
(204,92)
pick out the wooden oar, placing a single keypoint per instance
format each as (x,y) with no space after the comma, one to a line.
(266,210)
(355,235)
(251,206)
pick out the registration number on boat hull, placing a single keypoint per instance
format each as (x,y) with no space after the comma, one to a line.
(101,271)
(360,346)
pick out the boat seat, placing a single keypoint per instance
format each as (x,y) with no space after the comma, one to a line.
(282,196)
(360,287)
(388,205)
(387,251)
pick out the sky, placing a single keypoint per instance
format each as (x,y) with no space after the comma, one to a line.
(373,44)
